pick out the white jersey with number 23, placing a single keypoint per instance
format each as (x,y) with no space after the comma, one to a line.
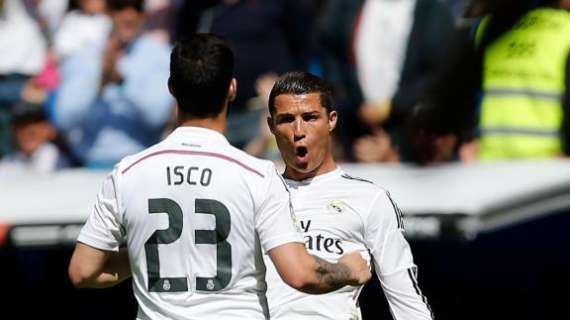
(196,215)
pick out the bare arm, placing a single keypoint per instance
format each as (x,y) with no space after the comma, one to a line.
(94,268)
(313,275)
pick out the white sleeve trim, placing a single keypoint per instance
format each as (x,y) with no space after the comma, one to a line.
(97,242)
(274,242)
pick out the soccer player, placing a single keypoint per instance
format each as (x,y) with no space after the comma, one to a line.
(196,213)
(337,212)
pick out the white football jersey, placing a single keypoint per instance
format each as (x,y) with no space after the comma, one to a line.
(338,214)
(196,214)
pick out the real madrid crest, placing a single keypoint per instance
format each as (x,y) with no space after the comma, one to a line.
(166,285)
(336,207)
(210,285)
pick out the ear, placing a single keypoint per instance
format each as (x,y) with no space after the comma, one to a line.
(270,124)
(333,116)
(232,90)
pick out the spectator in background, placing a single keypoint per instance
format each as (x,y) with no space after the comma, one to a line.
(113,99)
(161,18)
(23,53)
(525,72)
(335,30)
(35,142)
(379,59)
(84,27)
(397,67)
(51,13)
(268,37)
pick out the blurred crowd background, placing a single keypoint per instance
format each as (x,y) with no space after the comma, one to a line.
(83,83)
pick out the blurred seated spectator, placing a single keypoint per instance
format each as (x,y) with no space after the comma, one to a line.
(433,137)
(35,142)
(113,100)
(23,53)
(86,26)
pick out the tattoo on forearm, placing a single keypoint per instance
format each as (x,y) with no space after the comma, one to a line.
(332,276)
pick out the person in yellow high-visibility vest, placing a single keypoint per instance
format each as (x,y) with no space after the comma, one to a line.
(525,102)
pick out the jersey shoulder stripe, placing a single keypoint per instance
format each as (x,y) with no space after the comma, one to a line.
(369,186)
(397,211)
(349,177)
(195,153)
(413,274)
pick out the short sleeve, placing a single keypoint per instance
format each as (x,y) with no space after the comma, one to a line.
(385,238)
(274,219)
(103,227)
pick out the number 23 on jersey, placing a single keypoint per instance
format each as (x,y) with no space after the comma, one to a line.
(217,237)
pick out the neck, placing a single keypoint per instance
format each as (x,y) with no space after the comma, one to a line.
(216,123)
(327,166)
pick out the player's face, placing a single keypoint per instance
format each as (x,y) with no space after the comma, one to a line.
(302,129)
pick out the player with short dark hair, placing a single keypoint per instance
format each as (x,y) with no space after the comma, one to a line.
(197,213)
(336,212)
(200,72)
(299,83)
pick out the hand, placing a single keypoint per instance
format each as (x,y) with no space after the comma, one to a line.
(358,266)
(374,113)
(113,52)
(33,93)
(469,152)
(375,148)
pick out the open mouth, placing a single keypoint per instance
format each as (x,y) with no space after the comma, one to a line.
(301,152)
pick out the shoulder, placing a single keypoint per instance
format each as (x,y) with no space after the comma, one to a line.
(258,167)
(246,166)
(362,185)
(361,188)
(372,196)
(349,177)
(128,162)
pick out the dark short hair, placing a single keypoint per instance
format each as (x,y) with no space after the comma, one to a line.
(118,5)
(27,113)
(201,70)
(299,83)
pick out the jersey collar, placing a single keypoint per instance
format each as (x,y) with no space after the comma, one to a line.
(317,179)
(200,133)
